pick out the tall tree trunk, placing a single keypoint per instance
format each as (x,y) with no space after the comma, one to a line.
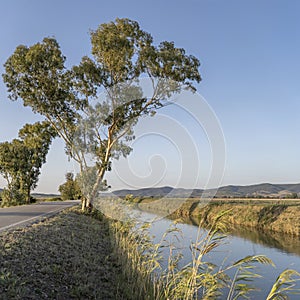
(83,203)
(87,202)
(100,175)
(28,196)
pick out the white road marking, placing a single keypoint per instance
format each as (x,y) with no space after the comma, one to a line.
(27,220)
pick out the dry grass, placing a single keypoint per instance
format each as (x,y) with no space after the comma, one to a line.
(282,216)
(276,218)
(66,257)
(199,279)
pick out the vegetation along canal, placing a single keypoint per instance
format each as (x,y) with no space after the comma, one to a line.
(283,250)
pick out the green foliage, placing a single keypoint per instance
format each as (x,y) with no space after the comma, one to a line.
(70,190)
(37,75)
(22,159)
(121,54)
(12,196)
(131,199)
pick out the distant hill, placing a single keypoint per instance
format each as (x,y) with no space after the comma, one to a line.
(40,195)
(159,192)
(256,190)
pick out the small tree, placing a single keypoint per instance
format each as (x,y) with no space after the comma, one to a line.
(70,190)
(122,54)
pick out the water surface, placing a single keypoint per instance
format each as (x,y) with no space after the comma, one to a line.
(282,249)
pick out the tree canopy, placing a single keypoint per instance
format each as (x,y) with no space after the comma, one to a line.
(122,54)
(70,190)
(21,160)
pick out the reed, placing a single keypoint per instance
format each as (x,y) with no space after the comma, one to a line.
(146,278)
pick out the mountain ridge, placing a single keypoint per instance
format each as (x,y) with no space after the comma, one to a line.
(275,190)
(254,190)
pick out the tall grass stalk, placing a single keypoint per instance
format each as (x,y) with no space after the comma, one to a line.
(142,260)
(285,282)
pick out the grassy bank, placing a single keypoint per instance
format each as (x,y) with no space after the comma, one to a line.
(282,216)
(199,279)
(69,256)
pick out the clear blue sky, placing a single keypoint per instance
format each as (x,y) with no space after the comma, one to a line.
(249,52)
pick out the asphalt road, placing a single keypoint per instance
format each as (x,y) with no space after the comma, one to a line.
(18,216)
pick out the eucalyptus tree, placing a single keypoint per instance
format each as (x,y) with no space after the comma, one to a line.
(13,155)
(97,133)
(36,139)
(21,160)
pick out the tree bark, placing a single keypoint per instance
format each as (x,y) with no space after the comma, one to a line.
(87,202)
(83,203)
(28,196)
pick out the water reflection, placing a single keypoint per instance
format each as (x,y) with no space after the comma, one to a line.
(282,249)
(284,242)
